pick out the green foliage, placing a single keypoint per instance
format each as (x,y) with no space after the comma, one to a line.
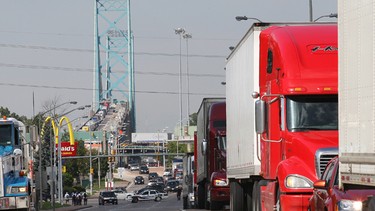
(193,119)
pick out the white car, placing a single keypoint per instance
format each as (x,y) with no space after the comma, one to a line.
(123,194)
(134,167)
(148,195)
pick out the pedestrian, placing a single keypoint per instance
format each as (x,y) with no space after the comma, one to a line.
(85,198)
(66,197)
(74,198)
(179,189)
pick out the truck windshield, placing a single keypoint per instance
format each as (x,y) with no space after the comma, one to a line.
(312,112)
(5,135)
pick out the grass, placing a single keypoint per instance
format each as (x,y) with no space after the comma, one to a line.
(48,205)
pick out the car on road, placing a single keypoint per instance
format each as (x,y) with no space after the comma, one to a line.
(152,175)
(134,167)
(122,194)
(143,169)
(158,186)
(139,180)
(327,195)
(148,195)
(107,197)
(171,185)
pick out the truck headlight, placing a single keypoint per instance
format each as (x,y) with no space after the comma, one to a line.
(297,181)
(344,205)
(219,182)
(15,189)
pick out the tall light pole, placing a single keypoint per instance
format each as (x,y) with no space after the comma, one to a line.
(310,10)
(180,32)
(187,37)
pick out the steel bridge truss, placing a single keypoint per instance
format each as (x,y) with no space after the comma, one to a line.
(114,54)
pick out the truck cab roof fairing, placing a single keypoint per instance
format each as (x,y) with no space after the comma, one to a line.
(291,66)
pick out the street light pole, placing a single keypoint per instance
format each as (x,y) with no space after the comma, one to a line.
(180,32)
(187,37)
(60,193)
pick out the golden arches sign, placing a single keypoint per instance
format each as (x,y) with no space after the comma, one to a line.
(56,129)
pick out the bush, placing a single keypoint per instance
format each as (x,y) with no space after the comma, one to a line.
(79,188)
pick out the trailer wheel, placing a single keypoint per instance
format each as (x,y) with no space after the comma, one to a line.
(256,193)
(214,205)
(184,202)
(236,196)
(201,196)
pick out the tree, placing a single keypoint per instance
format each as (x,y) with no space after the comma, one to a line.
(193,119)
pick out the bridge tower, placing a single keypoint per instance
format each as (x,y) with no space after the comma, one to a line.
(114,55)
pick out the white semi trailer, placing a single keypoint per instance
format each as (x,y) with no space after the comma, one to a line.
(357,94)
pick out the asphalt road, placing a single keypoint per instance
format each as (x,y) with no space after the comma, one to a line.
(169,204)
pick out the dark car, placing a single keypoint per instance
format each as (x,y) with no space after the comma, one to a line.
(139,180)
(143,170)
(327,195)
(107,197)
(171,185)
(152,175)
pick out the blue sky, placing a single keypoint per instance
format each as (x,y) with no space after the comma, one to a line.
(37,38)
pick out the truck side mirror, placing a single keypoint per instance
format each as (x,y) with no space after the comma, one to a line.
(204,147)
(260,116)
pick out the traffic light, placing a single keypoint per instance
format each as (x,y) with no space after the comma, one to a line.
(63,169)
(91,170)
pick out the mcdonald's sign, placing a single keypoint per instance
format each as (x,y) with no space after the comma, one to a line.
(67,148)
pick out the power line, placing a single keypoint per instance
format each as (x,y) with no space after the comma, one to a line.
(71,69)
(88,89)
(35,47)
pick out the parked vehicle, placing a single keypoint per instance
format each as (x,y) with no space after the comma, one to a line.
(107,197)
(143,169)
(147,195)
(281,142)
(139,180)
(212,189)
(328,195)
(122,194)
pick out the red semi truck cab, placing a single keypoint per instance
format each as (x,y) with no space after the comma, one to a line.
(298,107)
(212,189)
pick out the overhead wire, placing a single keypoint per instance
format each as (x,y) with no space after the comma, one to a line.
(71,69)
(89,89)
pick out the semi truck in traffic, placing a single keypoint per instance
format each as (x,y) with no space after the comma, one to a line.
(281,112)
(15,188)
(211,187)
(357,99)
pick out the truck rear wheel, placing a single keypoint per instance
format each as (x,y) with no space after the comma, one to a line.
(236,196)
(256,193)
(214,205)
(201,196)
